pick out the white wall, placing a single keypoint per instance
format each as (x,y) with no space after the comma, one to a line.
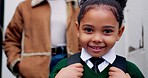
(134,28)
(9,8)
(145,23)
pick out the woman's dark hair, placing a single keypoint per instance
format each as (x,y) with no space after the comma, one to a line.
(116,6)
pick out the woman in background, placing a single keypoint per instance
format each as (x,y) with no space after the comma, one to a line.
(40,33)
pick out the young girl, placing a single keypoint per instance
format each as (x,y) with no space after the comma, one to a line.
(99,26)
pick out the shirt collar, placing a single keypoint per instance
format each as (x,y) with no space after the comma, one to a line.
(84,55)
(109,57)
(36,2)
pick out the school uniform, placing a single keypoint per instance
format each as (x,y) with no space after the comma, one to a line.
(132,69)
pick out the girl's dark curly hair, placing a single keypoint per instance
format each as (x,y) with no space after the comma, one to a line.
(122,3)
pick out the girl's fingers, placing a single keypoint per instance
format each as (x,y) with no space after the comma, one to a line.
(79,65)
(114,69)
(127,75)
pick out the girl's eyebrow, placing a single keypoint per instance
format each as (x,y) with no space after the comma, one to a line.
(107,26)
(87,25)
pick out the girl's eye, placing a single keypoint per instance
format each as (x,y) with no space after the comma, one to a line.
(88,30)
(108,31)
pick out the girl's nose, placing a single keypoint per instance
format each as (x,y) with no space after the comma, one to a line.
(97,38)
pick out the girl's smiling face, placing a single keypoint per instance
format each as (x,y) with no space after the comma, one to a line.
(98,31)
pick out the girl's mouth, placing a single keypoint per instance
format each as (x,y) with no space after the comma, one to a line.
(96,48)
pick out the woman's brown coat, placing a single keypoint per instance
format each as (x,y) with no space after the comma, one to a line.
(27,38)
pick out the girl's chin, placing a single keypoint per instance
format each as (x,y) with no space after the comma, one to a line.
(95,54)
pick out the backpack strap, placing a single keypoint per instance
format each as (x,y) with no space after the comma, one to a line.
(74,59)
(120,62)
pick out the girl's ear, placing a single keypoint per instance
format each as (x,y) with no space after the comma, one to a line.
(121,30)
(77,28)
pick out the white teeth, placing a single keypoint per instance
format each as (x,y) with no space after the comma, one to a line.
(96,48)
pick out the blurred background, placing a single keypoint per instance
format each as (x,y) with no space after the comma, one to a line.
(133,45)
